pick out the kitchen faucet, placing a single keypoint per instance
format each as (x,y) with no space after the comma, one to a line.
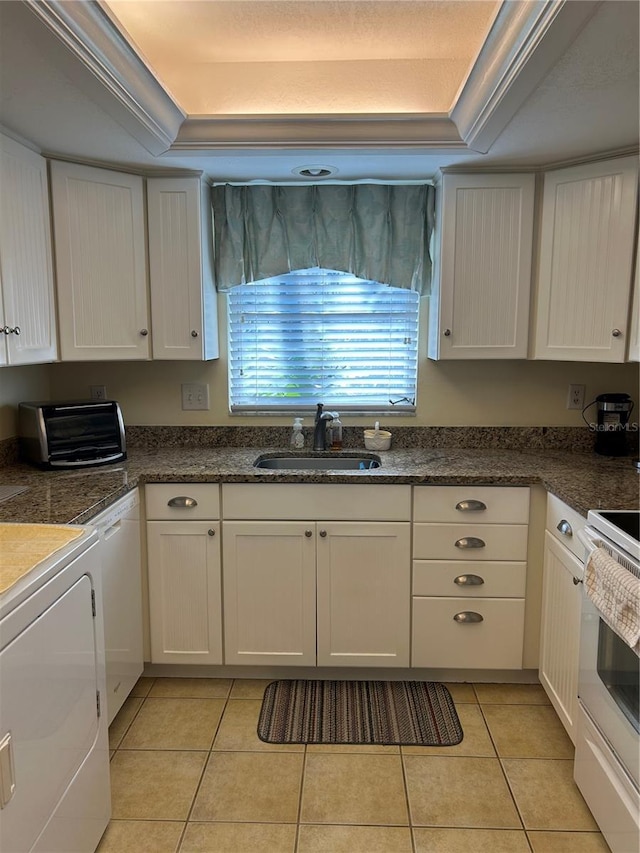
(320,431)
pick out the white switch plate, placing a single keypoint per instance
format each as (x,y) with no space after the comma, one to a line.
(98,392)
(195,396)
(575,397)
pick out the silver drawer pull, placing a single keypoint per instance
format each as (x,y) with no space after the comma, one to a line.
(565,527)
(7,771)
(469,580)
(182,502)
(471,506)
(468,617)
(470,542)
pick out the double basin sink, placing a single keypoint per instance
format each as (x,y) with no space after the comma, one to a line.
(318,463)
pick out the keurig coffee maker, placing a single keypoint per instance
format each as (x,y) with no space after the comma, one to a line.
(612,418)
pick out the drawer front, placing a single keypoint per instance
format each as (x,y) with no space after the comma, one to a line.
(476,504)
(182,501)
(469,579)
(302,501)
(493,643)
(563,523)
(470,542)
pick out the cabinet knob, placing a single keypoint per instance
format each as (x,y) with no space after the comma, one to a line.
(211,532)
(471,506)
(616,333)
(565,528)
(576,580)
(447,333)
(470,542)
(9,331)
(308,534)
(144,332)
(4,330)
(323,533)
(468,617)
(182,502)
(194,334)
(468,580)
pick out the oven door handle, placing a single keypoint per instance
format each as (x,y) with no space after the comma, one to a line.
(589,541)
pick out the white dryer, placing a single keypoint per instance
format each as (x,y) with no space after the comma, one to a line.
(54,753)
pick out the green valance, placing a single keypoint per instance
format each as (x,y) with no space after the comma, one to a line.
(378,232)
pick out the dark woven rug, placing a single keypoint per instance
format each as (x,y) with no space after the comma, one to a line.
(409,713)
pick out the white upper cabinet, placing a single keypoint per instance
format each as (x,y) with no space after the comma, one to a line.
(480,299)
(585,264)
(99,236)
(27,309)
(183,298)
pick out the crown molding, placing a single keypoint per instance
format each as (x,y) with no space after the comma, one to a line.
(524,43)
(399,130)
(105,65)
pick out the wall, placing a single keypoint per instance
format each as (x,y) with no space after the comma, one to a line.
(18,384)
(468,393)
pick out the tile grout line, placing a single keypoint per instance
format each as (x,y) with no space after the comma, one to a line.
(300,797)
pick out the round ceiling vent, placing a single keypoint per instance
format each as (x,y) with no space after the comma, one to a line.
(315,172)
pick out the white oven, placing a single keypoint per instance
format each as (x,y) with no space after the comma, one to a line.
(607,761)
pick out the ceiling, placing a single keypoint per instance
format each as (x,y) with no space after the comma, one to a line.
(377,89)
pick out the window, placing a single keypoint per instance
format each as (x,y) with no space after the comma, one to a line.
(318,335)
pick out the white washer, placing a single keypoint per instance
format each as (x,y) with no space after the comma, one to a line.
(54,751)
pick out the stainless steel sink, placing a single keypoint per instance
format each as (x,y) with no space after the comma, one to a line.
(318,463)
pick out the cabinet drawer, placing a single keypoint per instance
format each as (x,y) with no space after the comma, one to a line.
(499,580)
(502,504)
(493,643)
(470,542)
(559,515)
(166,501)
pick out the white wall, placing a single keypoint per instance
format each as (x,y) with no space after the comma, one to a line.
(18,384)
(473,393)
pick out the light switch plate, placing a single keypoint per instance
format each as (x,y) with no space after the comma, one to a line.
(195,396)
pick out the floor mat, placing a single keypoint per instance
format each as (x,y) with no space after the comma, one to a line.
(405,713)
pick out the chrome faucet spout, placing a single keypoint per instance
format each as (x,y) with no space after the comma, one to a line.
(320,431)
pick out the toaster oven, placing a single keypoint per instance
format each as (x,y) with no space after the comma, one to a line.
(72,434)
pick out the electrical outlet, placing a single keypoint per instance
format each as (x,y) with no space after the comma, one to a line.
(98,392)
(575,397)
(195,396)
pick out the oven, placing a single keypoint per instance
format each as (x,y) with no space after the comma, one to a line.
(607,760)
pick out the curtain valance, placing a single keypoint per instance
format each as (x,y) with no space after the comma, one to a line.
(377,232)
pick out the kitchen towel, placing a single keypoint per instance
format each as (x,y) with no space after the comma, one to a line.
(615,591)
(419,713)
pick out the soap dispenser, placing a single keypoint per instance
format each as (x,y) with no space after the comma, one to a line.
(297,436)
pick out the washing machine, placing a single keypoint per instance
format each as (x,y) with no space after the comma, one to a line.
(54,752)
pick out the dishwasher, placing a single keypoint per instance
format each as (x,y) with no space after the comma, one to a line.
(119,530)
(54,750)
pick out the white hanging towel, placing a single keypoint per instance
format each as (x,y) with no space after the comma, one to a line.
(615,591)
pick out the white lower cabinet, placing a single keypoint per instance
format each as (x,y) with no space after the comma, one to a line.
(315,590)
(269,592)
(364,594)
(469,576)
(183,557)
(561,608)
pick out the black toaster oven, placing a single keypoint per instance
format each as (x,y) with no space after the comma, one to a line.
(72,434)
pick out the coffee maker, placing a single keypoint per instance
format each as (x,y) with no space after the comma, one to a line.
(612,417)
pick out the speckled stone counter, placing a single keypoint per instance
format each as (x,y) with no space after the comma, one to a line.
(582,480)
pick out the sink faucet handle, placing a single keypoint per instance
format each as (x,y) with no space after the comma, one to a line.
(319,411)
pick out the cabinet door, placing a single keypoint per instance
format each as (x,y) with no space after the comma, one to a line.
(184,591)
(269,592)
(586,254)
(560,631)
(99,236)
(480,303)
(183,297)
(634,331)
(26,272)
(364,594)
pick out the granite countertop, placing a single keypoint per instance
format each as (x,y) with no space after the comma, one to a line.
(584,481)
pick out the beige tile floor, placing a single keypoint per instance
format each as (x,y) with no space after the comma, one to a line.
(189,774)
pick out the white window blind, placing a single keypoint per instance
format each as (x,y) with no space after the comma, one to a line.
(322,336)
